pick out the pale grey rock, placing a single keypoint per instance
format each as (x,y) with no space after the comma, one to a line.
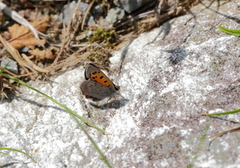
(114,15)
(12,65)
(168,79)
(68,10)
(24,49)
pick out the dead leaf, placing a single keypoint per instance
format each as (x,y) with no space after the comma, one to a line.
(22,36)
(15,54)
(31,15)
(30,42)
(30,63)
(48,53)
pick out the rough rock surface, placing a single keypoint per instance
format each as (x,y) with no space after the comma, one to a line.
(168,77)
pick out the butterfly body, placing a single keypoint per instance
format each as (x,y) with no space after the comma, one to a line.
(97,85)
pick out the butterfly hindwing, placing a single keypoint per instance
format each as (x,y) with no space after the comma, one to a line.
(94,73)
(97,85)
(94,90)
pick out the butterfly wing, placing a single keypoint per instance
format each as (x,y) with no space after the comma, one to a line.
(90,68)
(92,72)
(95,91)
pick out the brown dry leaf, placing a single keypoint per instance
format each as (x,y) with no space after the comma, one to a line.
(28,42)
(22,36)
(23,60)
(31,15)
(48,53)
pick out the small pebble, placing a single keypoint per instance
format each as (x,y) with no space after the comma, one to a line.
(12,66)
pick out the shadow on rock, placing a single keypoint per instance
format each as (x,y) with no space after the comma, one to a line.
(116,104)
(177,55)
(40,104)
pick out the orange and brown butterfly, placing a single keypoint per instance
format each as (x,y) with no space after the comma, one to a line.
(97,85)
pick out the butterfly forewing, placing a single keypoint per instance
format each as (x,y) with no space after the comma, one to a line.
(94,73)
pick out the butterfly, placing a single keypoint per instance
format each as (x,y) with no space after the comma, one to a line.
(97,85)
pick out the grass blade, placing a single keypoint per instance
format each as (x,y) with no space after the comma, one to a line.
(93,142)
(16,150)
(223,113)
(229,31)
(3,153)
(61,105)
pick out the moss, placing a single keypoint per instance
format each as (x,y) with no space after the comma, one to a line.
(101,35)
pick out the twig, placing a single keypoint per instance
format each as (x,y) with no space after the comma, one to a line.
(66,35)
(24,63)
(86,14)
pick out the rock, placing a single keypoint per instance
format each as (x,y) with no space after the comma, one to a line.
(12,65)
(104,23)
(130,5)
(91,21)
(97,11)
(68,10)
(24,49)
(159,125)
(114,15)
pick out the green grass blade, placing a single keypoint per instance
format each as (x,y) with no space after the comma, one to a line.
(61,105)
(229,31)
(199,146)
(74,115)
(93,142)
(3,153)
(10,149)
(223,113)
(2,70)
